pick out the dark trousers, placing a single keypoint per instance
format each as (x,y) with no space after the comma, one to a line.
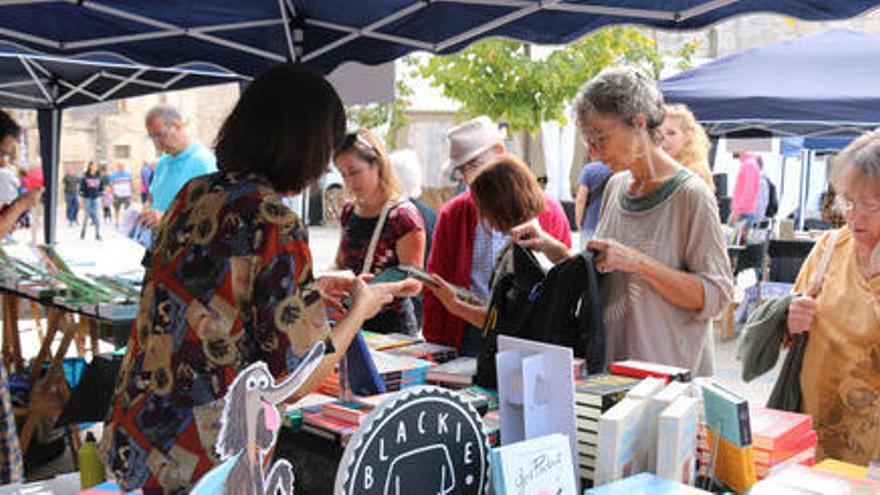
(71,201)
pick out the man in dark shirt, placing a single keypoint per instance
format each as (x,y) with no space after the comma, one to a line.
(71,194)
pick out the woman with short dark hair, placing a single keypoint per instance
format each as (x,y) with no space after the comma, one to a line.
(507,195)
(231,284)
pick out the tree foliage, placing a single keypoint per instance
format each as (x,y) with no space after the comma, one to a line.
(500,78)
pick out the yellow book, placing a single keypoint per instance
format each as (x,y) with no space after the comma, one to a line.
(844,468)
(734,466)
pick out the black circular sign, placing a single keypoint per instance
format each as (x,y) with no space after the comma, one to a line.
(422,440)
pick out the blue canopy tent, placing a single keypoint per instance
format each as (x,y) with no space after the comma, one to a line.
(246,37)
(49,84)
(822,85)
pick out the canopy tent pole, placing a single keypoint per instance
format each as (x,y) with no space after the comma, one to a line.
(49,124)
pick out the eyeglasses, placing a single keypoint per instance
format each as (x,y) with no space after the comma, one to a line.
(594,138)
(471,165)
(158,134)
(849,205)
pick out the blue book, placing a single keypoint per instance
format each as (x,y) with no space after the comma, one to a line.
(363,377)
(727,414)
(645,484)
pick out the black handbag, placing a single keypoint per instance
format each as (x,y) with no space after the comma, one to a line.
(560,307)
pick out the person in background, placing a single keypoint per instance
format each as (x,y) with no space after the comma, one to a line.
(506,194)
(236,289)
(763,191)
(591,185)
(9,180)
(686,141)
(106,194)
(464,248)
(840,374)
(120,185)
(377,197)
(181,159)
(659,238)
(146,178)
(11,460)
(33,179)
(409,170)
(70,183)
(744,203)
(91,187)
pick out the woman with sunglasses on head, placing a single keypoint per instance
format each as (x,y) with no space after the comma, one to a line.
(380,228)
(659,237)
(840,374)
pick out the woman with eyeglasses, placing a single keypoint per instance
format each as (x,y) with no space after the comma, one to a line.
(840,374)
(380,227)
(231,284)
(659,237)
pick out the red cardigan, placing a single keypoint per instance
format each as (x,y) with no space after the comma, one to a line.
(452,248)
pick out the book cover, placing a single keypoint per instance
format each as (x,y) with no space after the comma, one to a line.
(732,464)
(381,341)
(536,466)
(458,371)
(727,414)
(658,403)
(645,484)
(843,468)
(646,388)
(603,390)
(805,458)
(676,449)
(644,369)
(428,351)
(785,451)
(349,411)
(772,427)
(621,435)
(803,479)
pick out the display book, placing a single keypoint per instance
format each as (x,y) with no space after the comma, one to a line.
(781,439)
(536,466)
(729,438)
(829,476)
(652,429)
(39,271)
(336,420)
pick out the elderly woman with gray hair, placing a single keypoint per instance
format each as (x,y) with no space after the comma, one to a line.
(840,374)
(659,238)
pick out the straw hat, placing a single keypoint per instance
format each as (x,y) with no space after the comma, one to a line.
(469,140)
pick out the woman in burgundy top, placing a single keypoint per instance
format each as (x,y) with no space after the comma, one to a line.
(366,169)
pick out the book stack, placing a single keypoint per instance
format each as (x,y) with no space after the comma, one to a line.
(384,341)
(317,422)
(593,396)
(645,484)
(781,439)
(397,371)
(428,351)
(453,374)
(482,399)
(676,447)
(799,479)
(729,437)
(643,369)
(492,427)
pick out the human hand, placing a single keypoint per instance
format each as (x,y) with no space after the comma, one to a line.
(31,198)
(800,314)
(530,235)
(613,255)
(334,288)
(443,291)
(150,218)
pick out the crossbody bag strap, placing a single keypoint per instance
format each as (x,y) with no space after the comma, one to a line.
(822,267)
(371,249)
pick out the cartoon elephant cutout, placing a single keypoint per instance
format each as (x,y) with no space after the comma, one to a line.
(250,418)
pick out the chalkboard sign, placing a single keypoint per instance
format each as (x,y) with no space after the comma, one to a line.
(422,440)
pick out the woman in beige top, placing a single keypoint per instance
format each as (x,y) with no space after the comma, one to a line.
(659,236)
(840,375)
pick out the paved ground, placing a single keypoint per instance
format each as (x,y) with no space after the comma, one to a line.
(116,253)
